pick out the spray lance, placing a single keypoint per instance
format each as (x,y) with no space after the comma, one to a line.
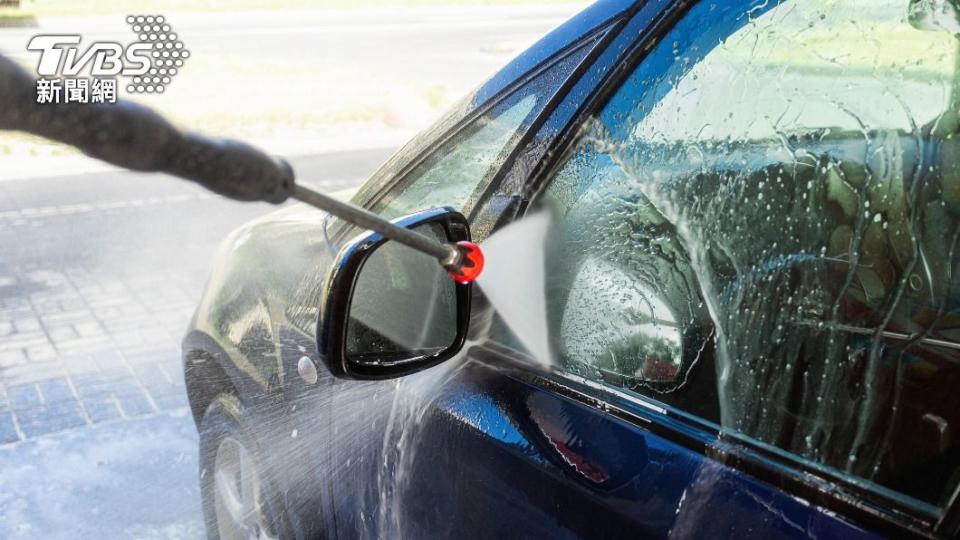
(137,138)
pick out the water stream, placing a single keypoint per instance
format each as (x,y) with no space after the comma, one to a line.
(513,281)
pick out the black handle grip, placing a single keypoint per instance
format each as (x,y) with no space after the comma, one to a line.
(135,137)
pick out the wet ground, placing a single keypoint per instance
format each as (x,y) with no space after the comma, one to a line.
(129,478)
(99,276)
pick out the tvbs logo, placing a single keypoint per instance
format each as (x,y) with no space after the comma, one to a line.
(60,55)
(148,64)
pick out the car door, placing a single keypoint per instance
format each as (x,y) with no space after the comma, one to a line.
(749,299)
(456,172)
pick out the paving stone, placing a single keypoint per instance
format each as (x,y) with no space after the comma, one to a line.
(12,358)
(134,404)
(89,329)
(31,372)
(17,303)
(154,335)
(169,402)
(118,300)
(74,369)
(114,286)
(153,355)
(8,431)
(174,369)
(50,418)
(151,375)
(49,278)
(27,324)
(127,338)
(107,313)
(20,341)
(41,353)
(88,290)
(14,313)
(104,297)
(105,383)
(88,359)
(61,333)
(129,323)
(22,396)
(132,310)
(173,316)
(101,409)
(80,345)
(110,337)
(54,390)
(45,304)
(114,360)
(72,303)
(66,317)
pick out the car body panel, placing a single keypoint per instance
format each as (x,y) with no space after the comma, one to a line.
(515,454)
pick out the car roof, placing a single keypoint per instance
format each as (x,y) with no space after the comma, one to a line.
(575,28)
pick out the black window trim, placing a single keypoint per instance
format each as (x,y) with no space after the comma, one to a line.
(606,34)
(844,495)
(595,35)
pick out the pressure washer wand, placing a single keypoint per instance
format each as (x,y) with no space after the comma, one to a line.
(135,137)
(463,260)
(367,220)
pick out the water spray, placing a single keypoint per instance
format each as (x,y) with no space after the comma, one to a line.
(137,138)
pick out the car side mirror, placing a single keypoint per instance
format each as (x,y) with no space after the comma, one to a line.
(390,310)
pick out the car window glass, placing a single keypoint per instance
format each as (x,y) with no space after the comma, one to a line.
(456,173)
(458,169)
(611,320)
(760,228)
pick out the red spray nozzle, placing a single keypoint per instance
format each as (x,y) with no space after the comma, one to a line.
(470,265)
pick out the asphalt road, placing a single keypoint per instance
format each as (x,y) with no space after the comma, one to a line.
(304,82)
(114,221)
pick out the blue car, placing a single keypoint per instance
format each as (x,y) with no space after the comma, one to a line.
(742,319)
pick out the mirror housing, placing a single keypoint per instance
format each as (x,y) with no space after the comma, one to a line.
(337,345)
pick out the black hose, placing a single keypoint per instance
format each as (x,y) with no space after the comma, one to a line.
(134,137)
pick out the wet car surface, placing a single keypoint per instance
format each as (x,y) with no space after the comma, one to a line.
(749,298)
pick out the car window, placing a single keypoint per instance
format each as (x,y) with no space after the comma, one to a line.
(760,228)
(457,169)
(456,173)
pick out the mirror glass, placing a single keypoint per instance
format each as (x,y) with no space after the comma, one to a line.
(404,305)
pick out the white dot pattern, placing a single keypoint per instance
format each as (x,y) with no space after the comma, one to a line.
(167,51)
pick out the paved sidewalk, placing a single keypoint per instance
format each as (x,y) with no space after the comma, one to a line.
(99,276)
(78,348)
(131,479)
